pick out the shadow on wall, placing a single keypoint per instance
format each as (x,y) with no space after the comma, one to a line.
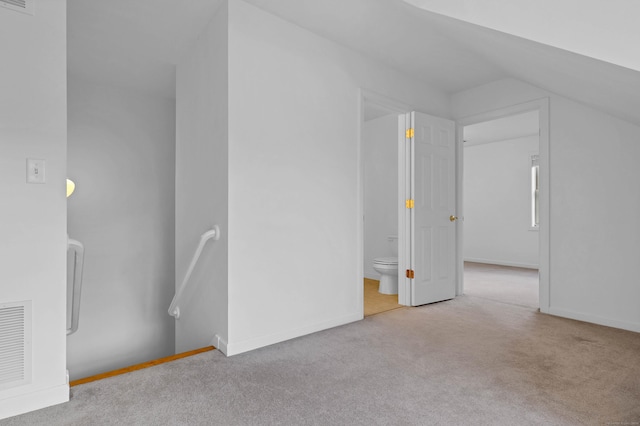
(121,153)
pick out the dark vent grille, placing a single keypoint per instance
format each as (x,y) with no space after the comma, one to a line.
(17,3)
(12,344)
(24,6)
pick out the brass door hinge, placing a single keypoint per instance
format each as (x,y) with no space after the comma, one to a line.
(409,204)
(409,133)
(410,273)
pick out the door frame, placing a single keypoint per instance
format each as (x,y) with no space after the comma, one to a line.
(542,106)
(404,214)
(394,106)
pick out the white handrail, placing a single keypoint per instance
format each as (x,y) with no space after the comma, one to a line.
(174,309)
(78,265)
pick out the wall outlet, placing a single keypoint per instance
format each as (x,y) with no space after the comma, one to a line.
(35,171)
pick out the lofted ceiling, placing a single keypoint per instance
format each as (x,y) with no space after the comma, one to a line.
(136,44)
(601,85)
(133,43)
(605,30)
(391,32)
(456,55)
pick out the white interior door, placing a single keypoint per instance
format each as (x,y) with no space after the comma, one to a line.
(429,218)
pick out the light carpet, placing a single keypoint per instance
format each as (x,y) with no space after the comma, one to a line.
(506,284)
(466,361)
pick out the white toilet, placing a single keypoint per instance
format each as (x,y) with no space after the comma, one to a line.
(387,267)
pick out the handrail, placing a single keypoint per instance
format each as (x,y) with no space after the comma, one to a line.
(174,309)
(78,266)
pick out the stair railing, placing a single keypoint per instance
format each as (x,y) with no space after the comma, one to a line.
(78,265)
(212,234)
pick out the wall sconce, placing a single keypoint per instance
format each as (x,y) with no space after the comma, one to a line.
(71,186)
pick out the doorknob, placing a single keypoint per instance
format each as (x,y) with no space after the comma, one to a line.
(453,218)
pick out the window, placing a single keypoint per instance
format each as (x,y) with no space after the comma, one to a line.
(535,191)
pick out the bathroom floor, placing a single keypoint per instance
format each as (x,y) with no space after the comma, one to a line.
(374,302)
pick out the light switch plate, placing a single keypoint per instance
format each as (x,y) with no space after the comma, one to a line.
(35,171)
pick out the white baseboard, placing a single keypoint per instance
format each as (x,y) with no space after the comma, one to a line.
(609,322)
(235,348)
(502,263)
(32,401)
(220,344)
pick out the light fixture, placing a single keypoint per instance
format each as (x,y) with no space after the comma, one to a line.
(71,186)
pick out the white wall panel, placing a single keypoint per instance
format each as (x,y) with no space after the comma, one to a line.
(497,203)
(294,175)
(33,124)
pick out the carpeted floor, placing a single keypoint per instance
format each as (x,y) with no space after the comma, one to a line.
(471,360)
(506,284)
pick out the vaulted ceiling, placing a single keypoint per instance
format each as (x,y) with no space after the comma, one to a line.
(133,43)
(136,43)
(393,33)
(604,30)
(601,85)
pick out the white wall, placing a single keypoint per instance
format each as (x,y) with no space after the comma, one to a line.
(202,185)
(380,158)
(497,203)
(595,236)
(295,214)
(122,157)
(33,124)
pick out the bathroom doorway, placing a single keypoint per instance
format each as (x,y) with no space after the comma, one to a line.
(408,185)
(380,173)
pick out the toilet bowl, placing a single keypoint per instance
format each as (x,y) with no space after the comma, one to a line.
(387,267)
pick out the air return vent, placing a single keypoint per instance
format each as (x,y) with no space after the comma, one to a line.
(25,6)
(15,344)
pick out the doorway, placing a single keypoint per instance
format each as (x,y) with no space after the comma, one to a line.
(425,202)
(501,209)
(503,187)
(379,162)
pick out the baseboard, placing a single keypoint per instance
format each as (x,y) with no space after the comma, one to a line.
(141,366)
(502,263)
(594,319)
(235,348)
(32,401)
(220,344)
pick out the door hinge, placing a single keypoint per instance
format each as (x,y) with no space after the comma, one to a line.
(409,204)
(409,133)
(410,273)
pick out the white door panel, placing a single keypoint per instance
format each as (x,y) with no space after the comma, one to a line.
(432,236)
